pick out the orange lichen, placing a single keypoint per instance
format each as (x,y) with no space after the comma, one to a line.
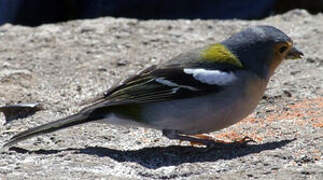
(303,112)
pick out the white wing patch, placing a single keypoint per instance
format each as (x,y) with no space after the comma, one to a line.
(212,77)
(163,81)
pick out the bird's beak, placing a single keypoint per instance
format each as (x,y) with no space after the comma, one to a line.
(294,54)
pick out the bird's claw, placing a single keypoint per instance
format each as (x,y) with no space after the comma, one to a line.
(212,142)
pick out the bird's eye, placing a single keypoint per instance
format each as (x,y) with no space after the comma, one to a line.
(282,49)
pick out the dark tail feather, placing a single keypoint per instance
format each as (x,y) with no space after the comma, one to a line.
(73,120)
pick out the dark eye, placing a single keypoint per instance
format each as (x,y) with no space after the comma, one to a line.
(282,49)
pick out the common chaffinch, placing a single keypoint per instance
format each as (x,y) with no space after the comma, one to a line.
(200,91)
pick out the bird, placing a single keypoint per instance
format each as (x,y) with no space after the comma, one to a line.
(199,91)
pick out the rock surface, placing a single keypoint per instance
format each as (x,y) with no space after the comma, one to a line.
(61,65)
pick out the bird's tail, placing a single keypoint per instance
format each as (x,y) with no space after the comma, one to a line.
(69,121)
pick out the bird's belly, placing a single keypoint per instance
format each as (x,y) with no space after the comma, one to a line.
(202,114)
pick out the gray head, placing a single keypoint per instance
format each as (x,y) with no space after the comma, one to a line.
(262,48)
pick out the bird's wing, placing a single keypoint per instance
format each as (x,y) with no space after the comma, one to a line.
(155,85)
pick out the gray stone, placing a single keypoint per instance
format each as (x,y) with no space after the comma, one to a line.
(61,65)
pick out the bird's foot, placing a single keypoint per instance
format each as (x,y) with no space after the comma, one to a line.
(201,139)
(243,140)
(172,134)
(236,141)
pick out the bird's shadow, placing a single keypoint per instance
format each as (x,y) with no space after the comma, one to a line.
(156,157)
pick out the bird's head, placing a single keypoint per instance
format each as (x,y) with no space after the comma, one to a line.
(262,48)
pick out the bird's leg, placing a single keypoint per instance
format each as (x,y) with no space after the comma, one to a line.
(203,136)
(172,134)
(200,139)
(239,140)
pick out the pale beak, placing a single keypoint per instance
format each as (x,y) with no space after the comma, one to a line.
(294,54)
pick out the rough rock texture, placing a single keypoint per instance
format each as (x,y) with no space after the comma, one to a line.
(61,65)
